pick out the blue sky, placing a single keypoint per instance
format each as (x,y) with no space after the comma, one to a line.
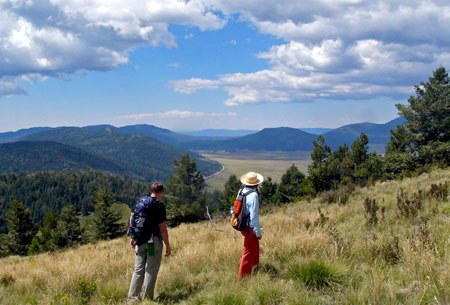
(215,64)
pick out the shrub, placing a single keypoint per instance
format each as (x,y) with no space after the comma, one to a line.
(86,290)
(439,191)
(339,196)
(420,237)
(321,220)
(410,207)
(315,274)
(371,208)
(389,250)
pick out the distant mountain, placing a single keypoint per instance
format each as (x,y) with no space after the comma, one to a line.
(161,134)
(224,133)
(377,133)
(291,139)
(12,136)
(317,131)
(268,139)
(34,156)
(145,157)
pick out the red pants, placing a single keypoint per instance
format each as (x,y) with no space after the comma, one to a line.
(250,255)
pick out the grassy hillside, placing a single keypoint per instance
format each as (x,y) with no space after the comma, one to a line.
(306,258)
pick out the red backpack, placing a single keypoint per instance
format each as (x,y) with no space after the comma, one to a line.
(240,217)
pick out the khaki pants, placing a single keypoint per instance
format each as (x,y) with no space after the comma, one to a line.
(145,271)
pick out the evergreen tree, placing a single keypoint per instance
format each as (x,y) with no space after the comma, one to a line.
(21,230)
(231,188)
(291,184)
(184,192)
(35,246)
(68,230)
(425,136)
(428,114)
(267,191)
(106,221)
(48,229)
(318,169)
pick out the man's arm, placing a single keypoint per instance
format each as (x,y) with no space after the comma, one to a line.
(165,236)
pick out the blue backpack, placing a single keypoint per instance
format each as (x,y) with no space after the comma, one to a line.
(141,220)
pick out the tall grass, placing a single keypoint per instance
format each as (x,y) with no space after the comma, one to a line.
(307,257)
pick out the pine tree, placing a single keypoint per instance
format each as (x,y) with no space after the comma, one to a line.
(267,191)
(68,230)
(48,229)
(184,192)
(318,169)
(106,221)
(231,187)
(425,136)
(291,184)
(21,230)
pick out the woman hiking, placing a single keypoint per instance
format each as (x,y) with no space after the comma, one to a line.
(252,234)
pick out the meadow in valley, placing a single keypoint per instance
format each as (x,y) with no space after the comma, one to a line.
(395,251)
(273,164)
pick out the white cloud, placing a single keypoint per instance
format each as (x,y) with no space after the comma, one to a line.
(174,65)
(60,37)
(347,49)
(189,36)
(176,114)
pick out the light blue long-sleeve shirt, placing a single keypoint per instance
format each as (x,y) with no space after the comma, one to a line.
(252,205)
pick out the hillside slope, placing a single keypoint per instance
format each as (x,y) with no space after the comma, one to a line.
(145,157)
(34,156)
(268,139)
(12,136)
(377,133)
(400,261)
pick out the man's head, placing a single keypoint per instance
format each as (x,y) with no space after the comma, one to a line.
(157,190)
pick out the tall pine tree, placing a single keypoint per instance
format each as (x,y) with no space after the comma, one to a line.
(21,230)
(184,192)
(231,187)
(68,231)
(106,221)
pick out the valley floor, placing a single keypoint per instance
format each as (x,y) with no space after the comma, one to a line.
(307,257)
(272,164)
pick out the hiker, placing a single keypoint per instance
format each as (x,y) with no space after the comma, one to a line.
(145,230)
(252,234)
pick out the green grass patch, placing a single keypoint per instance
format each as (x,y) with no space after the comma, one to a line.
(315,274)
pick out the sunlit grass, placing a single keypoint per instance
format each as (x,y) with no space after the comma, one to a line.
(339,261)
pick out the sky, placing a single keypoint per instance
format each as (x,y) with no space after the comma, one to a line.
(191,65)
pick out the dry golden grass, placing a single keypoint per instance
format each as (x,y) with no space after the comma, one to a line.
(205,262)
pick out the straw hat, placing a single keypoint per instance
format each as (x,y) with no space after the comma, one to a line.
(251,179)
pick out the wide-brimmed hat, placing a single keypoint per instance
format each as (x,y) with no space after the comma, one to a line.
(251,179)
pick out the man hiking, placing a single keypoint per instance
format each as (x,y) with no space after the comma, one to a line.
(148,229)
(252,234)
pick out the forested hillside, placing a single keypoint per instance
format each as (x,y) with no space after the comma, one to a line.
(144,157)
(41,192)
(34,156)
(377,133)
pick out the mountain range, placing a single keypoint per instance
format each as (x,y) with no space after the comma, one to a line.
(146,152)
(137,156)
